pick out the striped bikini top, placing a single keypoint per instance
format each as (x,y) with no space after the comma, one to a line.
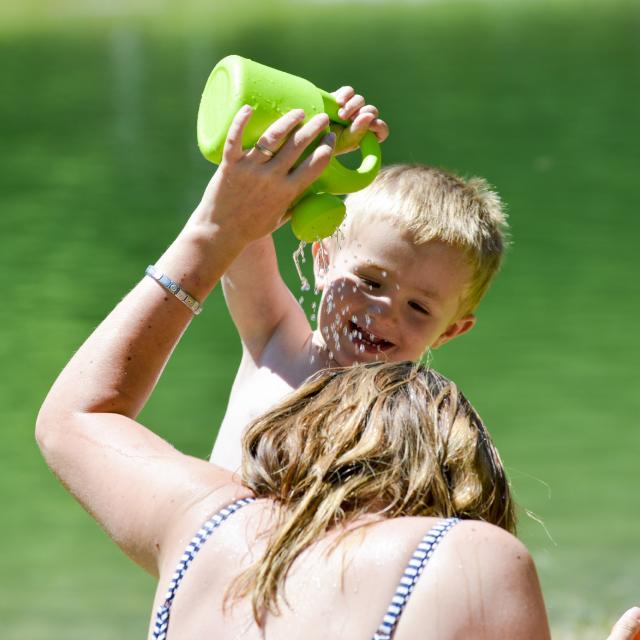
(385,630)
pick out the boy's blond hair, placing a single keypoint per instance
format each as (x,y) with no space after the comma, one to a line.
(433,204)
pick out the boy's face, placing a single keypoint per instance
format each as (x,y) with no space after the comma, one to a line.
(386,298)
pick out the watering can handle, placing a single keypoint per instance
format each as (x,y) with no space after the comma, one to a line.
(339,179)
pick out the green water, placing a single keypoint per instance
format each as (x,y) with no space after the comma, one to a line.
(99,168)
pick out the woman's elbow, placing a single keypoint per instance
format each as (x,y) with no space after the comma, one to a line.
(45,430)
(50,423)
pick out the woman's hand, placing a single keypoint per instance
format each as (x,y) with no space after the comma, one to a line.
(363,117)
(252,190)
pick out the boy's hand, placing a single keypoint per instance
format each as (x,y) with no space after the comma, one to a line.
(364,117)
(252,189)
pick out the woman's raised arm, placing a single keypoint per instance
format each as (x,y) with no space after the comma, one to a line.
(129,479)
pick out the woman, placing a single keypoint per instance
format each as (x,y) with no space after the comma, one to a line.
(324,535)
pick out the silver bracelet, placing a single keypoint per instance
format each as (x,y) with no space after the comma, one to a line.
(174,288)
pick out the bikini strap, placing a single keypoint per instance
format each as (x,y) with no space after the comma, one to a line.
(161,625)
(414,568)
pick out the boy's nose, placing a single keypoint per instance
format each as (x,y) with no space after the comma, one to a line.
(382,309)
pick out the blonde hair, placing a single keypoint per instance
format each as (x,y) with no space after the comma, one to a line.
(433,204)
(385,439)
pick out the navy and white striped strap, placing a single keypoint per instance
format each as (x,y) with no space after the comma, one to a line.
(419,559)
(161,625)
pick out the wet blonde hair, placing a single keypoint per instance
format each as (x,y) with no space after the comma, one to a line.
(433,204)
(386,439)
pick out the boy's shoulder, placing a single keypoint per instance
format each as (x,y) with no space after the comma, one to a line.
(260,383)
(291,355)
(285,362)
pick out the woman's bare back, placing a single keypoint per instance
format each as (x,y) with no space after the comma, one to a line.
(343,591)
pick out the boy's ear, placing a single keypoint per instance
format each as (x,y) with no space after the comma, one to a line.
(320,253)
(455,329)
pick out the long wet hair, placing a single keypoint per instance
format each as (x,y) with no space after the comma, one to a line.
(385,439)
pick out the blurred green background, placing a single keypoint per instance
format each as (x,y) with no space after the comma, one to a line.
(99,168)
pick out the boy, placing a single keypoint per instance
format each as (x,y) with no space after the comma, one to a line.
(415,255)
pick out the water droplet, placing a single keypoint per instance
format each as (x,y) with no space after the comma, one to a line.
(354,319)
(384,274)
(301,299)
(397,287)
(298,255)
(331,354)
(313,317)
(354,289)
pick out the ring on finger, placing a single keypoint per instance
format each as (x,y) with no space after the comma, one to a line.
(265,151)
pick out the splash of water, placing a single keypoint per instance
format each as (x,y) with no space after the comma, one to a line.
(298,260)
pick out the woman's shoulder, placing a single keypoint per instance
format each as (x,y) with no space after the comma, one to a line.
(474,566)
(476,530)
(476,545)
(476,534)
(212,489)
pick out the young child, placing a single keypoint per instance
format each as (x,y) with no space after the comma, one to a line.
(414,256)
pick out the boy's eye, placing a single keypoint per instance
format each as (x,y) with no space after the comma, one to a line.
(419,308)
(369,282)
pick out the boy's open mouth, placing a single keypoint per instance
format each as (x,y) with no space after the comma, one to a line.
(370,342)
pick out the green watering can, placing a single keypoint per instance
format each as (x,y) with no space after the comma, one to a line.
(236,81)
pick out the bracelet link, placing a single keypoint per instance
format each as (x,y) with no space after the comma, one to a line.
(173,287)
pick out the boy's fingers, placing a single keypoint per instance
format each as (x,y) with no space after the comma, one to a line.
(300,140)
(380,128)
(343,94)
(314,164)
(628,626)
(362,121)
(232,150)
(353,104)
(275,136)
(369,108)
